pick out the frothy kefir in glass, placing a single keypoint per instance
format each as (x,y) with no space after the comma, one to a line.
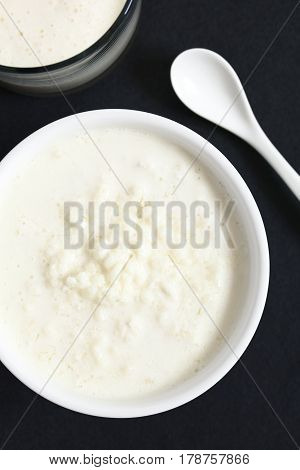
(50,31)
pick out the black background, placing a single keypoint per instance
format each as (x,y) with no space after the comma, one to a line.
(232,414)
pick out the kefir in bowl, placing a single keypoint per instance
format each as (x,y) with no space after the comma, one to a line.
(134,264)
(54,45)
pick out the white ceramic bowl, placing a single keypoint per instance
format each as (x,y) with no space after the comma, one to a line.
(255,296)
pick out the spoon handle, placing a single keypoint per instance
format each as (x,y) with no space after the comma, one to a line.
(264,146)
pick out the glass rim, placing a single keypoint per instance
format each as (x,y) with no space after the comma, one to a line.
(101,42)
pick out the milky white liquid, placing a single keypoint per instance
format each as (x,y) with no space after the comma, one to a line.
(35,32)
(144,332)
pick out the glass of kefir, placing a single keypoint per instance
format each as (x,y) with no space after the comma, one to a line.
(52,46)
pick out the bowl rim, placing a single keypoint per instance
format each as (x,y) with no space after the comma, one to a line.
(99,44)
(162,402)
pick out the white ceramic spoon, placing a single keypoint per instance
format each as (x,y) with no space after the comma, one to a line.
(209,86)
